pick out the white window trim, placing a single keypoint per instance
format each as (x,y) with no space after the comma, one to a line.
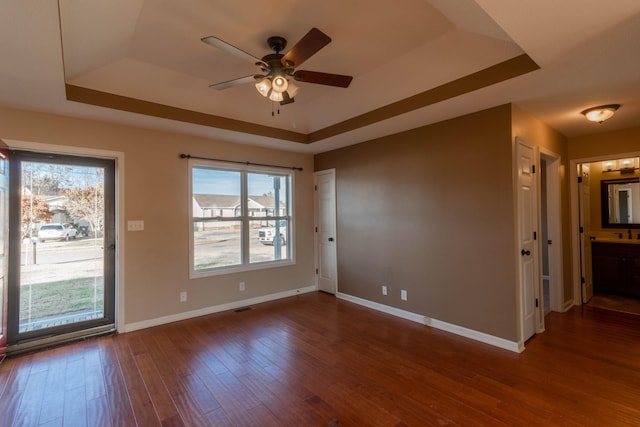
(245,218)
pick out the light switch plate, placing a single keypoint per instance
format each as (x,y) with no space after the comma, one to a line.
(137,225)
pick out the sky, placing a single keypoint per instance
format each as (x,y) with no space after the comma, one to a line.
(209,181)
(67,176)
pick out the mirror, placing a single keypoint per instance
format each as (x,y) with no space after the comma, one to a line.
(620,203)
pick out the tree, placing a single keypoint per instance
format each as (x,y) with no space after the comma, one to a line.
(34,210)
(86,203)
(46,179)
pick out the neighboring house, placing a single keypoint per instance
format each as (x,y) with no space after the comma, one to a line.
(57,207)
(215,205)
(226,206)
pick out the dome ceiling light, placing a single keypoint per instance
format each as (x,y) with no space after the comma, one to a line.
(601,113)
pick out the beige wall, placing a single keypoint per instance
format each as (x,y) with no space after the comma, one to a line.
(605,144)
(156,261)
(537,133)
(431,211)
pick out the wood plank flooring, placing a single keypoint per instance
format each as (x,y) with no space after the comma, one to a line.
(310,359)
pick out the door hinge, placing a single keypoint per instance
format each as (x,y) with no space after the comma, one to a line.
(581,229)
(583,280)
(533,168)
(316,187)
(316,271)
(579,180)
(535,235)
(316,229)
(536,302)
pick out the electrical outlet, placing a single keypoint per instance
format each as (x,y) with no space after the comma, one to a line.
(241,286)
(403,295)
(137,225)
(183,296)
(384,290)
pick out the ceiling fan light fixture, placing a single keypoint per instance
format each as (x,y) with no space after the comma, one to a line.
(600,113)
(264,87)
(279,84)
(276,96)
(292,90)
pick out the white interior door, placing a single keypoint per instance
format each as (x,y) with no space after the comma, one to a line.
(527,222)
(325,220)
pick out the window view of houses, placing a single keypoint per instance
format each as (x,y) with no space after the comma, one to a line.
(228,205)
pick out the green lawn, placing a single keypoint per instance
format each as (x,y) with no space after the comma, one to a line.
(66,296)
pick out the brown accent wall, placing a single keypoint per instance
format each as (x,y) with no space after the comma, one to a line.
(431,211)
(156,261)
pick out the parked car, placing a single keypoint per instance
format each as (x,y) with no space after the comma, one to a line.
(57,232)
(266,235)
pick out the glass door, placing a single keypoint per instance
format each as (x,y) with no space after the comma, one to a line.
(62,246)
(4,243)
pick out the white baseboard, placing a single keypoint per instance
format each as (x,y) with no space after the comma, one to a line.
(215,309)
(438,324)
(567,306)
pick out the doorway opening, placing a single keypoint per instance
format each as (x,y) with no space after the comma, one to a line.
(62,248)
(604,214)
(551,231)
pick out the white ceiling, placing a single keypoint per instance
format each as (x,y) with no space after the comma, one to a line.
(151,50)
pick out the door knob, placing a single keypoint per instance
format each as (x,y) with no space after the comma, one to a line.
(523,252)
(331,239)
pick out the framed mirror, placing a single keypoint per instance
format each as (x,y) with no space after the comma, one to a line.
(620,200)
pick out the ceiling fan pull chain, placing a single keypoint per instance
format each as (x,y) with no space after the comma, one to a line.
(273,110)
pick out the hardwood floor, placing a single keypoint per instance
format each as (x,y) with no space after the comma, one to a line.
(307,360)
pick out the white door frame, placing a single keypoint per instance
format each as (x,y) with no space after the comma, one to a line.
(118,156)
(554,228)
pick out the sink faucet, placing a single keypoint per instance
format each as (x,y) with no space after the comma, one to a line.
(630,235)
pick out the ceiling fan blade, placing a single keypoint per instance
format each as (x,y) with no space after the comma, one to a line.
(312,42)
(223,45)
(322,78)
(237,82)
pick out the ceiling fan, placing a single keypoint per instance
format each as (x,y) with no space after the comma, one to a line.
(277,68)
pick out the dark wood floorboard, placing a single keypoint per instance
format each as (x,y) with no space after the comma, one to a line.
(310,359)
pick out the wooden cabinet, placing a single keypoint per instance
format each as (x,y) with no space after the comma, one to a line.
(616,267)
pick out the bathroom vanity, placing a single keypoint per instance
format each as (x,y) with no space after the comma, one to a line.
(616,266)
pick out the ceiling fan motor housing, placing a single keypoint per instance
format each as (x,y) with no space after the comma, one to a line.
(277,43)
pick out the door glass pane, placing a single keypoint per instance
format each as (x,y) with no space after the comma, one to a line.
(62,245)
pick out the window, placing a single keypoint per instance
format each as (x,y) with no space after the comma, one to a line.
(240,218)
